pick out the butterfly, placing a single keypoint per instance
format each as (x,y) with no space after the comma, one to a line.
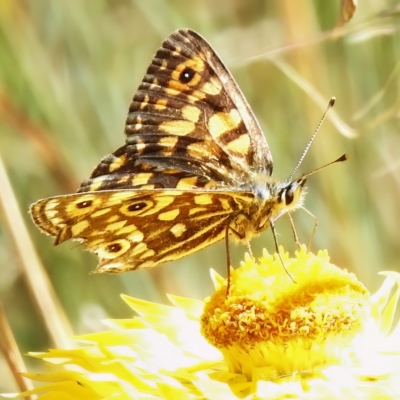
(195,169)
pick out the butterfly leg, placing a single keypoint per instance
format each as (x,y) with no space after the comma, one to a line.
(228,255)
(271,223)
(228,261)
(296,238)
(315,225)
(248,245)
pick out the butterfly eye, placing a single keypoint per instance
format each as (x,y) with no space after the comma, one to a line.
(137,206)
(288,196)
(114,247)
(186,75)
(84,204)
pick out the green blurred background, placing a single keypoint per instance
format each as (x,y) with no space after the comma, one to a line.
(68,70)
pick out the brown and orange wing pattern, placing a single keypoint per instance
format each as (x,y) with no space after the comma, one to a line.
(188,120)
(192,145)
(131,229)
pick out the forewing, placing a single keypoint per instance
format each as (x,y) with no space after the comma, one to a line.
(132,229)
(187,119)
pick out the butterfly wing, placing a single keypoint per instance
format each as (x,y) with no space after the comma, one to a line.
(192,144)
(132,229)
(187,121)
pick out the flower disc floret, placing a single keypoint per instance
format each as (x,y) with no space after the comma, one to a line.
(286,323)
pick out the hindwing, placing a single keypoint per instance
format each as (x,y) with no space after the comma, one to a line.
(131,229)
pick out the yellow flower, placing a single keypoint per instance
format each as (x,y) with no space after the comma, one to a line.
(283,327)
(318,335)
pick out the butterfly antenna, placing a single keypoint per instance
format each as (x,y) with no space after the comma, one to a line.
(330,104)
(344,157)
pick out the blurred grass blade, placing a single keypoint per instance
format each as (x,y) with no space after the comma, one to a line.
(40,139)
(377,97)
(365,34)
(387,114)
(345,129)
(12,354)
(36,278)
(347,10)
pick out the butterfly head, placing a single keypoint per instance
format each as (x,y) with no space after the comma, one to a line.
(274,198)
(289,196)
